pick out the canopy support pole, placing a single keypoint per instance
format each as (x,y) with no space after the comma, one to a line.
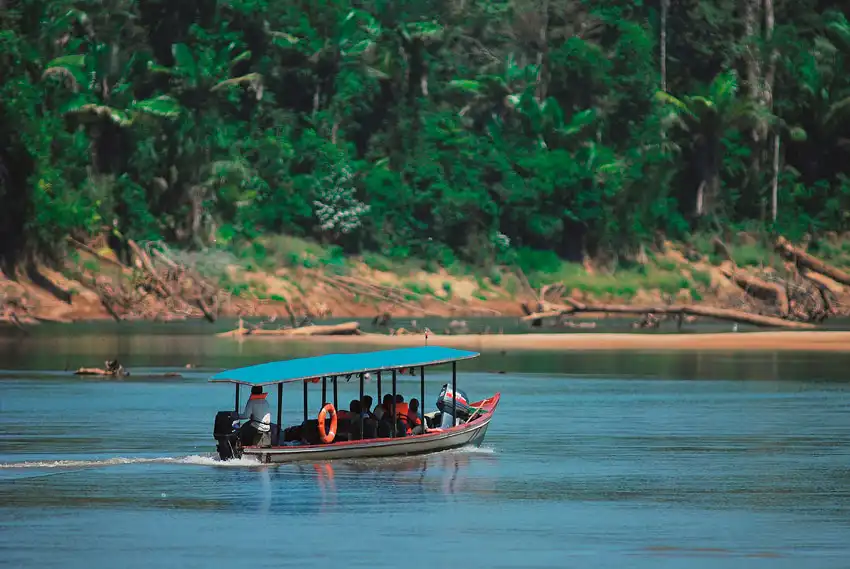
(392,416)
(237,398)
(378,402)
(325,391)
(454,394)
(336,397)
(305,400)
(422,397)
(360,418)
(279,410)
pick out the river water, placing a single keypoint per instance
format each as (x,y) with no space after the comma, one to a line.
(593,460)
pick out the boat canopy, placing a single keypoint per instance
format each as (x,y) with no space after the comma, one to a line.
(341,364)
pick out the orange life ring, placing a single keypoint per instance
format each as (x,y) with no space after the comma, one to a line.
(323,414)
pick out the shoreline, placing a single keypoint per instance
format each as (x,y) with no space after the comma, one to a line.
(803,341)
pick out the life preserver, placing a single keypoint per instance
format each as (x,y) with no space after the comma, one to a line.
(323,414)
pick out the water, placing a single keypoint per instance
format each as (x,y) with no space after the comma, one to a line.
(593,460)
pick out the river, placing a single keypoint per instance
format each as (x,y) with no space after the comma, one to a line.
(593,460)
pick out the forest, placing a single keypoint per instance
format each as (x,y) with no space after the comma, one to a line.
(449,130)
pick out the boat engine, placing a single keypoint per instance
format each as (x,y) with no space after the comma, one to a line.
(444,401)
(226,433)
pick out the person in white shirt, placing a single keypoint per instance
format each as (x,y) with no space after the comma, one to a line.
(257,430)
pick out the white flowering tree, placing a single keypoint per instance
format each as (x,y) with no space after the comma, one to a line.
(337,208)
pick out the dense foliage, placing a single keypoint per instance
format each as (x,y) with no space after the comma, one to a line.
(448,129)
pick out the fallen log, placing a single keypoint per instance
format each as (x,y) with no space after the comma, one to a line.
(83,247)
(803,259)
(93,371)
(162,288)
(344,329)
(550,310)
(823,282)
(759,288)
(709,312)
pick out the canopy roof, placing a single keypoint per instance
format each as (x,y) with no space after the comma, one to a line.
(341,364)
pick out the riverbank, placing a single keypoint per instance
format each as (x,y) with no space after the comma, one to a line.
(819,341)
(287,281)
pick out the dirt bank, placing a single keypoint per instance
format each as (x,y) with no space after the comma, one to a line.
(751,341)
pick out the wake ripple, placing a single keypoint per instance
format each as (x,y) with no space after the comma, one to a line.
(195,459)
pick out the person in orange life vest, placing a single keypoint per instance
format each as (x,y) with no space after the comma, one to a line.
(256,431)
(416,427)
(401,412)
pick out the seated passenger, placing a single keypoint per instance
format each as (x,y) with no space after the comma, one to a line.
(384,407)
(366,406)
(351,413)
(401,416)
(415,425)
(370,423)
(257,430)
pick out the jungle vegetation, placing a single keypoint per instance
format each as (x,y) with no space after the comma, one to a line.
(470,130)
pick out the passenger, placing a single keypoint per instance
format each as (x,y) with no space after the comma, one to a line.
(366,406)
(257,430)
(414,422)
(384,407)
(351,413)
(401,412)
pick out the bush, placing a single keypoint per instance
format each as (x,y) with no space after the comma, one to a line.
(534,261)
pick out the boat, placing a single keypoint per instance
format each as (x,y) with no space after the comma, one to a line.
(466,422)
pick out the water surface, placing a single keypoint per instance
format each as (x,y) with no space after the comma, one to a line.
(593,460)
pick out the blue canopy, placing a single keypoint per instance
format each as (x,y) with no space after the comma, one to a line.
(341,364)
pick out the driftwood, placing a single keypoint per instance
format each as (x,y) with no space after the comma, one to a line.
(551,310)
(823,282)
(760,288)
(113,369)
(805,260)
(98,256)
(710,312)
(345,329)
(197,293)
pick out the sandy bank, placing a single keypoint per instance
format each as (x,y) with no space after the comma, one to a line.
(751,341)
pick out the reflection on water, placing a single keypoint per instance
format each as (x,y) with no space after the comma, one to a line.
(602,460)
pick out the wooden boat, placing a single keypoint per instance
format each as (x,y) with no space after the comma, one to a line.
(467,428)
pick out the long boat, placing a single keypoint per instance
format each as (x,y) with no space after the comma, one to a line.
(467,422)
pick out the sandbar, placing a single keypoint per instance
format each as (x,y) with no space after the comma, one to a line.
(825,341)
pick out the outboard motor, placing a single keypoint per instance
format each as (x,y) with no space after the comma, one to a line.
(444,404)
(226,434)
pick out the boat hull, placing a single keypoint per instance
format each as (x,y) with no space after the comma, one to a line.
(469,434)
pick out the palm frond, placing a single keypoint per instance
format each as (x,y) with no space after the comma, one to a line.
(250,78)
(837,111)
(163,106)
(185,60)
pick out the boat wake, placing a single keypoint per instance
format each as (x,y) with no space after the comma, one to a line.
(195,459)
(475,450)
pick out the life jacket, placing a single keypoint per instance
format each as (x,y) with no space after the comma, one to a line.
(258,396)
(413,418)
(401,411)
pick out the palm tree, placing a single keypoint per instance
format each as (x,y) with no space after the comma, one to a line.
(707,118)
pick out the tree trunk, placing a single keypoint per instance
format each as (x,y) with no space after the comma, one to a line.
(543,54)
(665,6)
(774,190)
(701,199)
(767,95)
(761,289)
(751,8)
(803,259)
